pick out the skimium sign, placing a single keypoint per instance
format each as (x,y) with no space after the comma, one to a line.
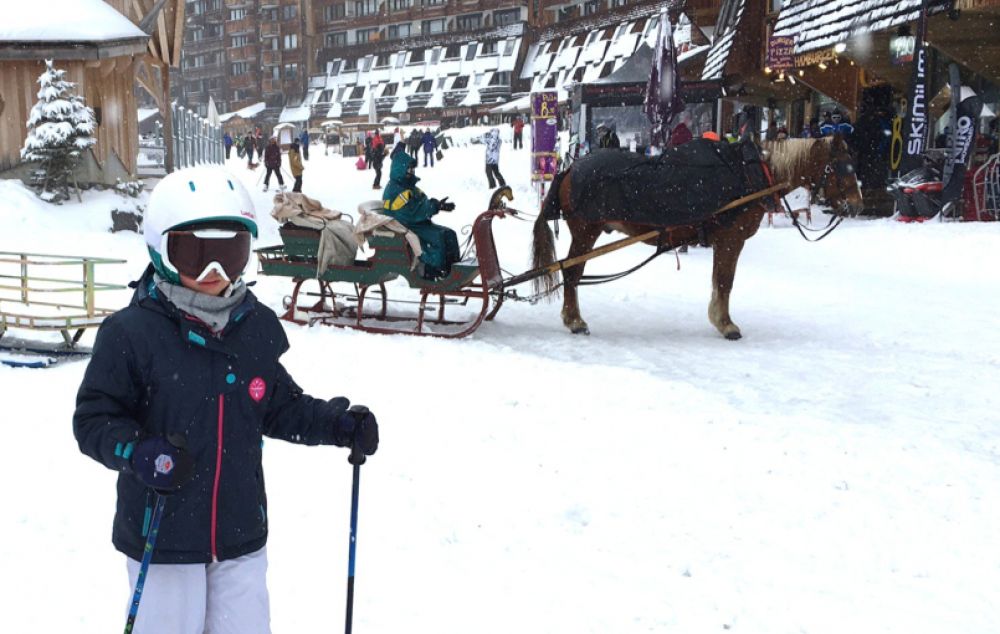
(917,128)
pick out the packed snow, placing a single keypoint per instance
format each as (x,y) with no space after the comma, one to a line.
(64,21)
(836,470)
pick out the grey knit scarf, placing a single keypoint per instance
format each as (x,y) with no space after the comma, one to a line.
(211,309)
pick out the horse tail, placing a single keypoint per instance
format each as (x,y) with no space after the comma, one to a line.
(544,245)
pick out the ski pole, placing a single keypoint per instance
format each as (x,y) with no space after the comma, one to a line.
(147,556)
(357,458)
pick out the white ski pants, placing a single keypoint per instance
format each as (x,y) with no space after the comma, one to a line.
(225,597)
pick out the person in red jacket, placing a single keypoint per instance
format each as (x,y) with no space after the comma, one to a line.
(272,161)
(518,125)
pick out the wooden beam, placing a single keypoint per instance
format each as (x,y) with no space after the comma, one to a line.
(179,8)
(161,24)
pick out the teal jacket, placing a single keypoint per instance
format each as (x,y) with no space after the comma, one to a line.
(401,198)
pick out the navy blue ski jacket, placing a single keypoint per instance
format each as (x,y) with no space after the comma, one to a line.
(158,371)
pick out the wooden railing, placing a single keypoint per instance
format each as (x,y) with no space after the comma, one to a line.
(25,283)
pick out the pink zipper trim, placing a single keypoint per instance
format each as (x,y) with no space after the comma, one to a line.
(215,487)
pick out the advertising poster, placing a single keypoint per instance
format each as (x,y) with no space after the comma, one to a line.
(544,136)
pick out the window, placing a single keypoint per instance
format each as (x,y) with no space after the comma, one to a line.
(470,52)
(551,82)
(591,7)
(289,12)
(401,5)
(435,55)
(336,39)
(428,27)
(453,51)
(334,12)
(366,63)
(382,60)
(291,41)
(325,96)
(213,30)
(398,31)
(441,83)
(271,44)
(489,48)
(460,82)
(237,14)
(468,22)
(401,59)
(425,85)
(291,71)
(358,92)
(390,90)
(608,33)
(500,79)
(196,35)
(637,27)
(275,72)
(616,3)
(364,35)
(197,8)
(214,5)
(507,16)
(239,68)
(365,7)
(607,69)
(269,15)
(350,64)
(508,48)
(578,73)
(431,3)
(417,56)
(239,40)
(335,68)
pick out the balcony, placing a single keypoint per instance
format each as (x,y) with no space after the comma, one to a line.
(238,4)
(243,54)
(239,27)
(269,86)
(195,47)
(244,81)
(270,58)
(209,71)
(270,29)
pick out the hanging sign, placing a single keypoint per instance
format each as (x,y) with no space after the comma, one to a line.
(780,52)
(901,49)
(544,136)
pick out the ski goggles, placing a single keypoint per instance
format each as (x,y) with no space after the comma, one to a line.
(197,253)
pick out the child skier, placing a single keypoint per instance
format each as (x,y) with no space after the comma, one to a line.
(182,386)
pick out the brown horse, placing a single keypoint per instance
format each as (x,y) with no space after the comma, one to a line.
(725,233)
(823,166)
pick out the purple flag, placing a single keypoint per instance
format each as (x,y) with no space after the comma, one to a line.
(663,99)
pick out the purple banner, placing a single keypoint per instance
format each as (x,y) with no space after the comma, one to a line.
(544,136)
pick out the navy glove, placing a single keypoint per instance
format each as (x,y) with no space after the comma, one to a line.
(359,425)
(163,464)
(444,205)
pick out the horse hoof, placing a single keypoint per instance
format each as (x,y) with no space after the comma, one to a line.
(581,330)
(734,335)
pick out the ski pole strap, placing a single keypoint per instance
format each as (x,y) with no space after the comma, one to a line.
(147,557)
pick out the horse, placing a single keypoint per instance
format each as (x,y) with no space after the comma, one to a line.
(822,166)
(725,233)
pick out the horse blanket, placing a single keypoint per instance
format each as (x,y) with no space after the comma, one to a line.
(683,186)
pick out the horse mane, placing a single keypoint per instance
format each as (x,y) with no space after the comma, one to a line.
(789,159)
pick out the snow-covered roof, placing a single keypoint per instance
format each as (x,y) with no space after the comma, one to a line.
(146,113)
(729,22)
(817,24)
(294,114)
(245,113)
(64,21)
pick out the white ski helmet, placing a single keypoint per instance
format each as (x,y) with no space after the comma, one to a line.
(194,196)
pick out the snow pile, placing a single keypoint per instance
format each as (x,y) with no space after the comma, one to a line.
(64,21)
(837,470)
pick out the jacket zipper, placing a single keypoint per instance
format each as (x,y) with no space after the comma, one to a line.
(215,487)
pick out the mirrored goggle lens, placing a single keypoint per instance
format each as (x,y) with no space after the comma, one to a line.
(191,251)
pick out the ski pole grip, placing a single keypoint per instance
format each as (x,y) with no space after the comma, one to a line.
(357,457)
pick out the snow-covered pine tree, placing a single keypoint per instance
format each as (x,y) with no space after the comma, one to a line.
(60,128)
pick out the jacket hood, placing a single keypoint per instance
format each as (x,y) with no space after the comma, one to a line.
(401,162)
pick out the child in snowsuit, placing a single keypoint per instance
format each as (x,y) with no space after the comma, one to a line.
(181,388)
(492,141)
(402,200)
(295,164)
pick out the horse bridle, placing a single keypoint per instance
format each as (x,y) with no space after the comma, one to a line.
(839,166)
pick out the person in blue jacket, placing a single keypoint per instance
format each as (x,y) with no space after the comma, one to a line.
(304,142)
(183,385)
(404,201)
(429,144)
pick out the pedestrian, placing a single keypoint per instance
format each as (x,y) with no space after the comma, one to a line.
(607,137)
(295,164)
(304,140)
(368,150)
(518,125)
(377,156)
(181,388)
(413,143)
(248,147)
(430,145)
(227,141)
(681,134)
(492,142)
(261,144)
(272,162)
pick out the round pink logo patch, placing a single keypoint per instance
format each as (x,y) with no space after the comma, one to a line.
(257,389)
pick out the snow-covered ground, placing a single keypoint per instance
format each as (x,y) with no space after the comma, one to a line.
(837,470)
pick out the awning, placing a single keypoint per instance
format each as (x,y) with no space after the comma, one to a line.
(521,104)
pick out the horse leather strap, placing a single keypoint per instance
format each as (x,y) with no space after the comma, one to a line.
(624,242)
